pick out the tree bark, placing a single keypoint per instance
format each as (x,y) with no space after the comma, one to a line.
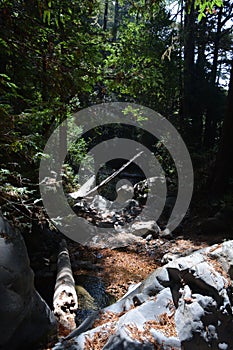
(223,165)
(116,19)
(210,122)
(105,22)
(189,46)
(191,110)
(65,301)
(216,47)
(199,85)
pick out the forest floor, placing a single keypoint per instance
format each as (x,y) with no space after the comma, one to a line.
(120,268)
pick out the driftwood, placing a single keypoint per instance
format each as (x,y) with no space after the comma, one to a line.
(65,300)
(84,191)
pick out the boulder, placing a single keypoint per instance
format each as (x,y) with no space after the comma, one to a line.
(143,228)
(100,203)
(124,192)
(113,241)
(26,320)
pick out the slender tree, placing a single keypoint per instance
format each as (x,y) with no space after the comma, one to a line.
(224,163)
(189,54)
(116,21)
(105,21)
(220,36)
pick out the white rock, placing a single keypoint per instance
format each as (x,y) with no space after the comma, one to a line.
(140,228)
(124,193)
(100,203)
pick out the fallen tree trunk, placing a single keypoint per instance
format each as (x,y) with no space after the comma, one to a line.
(84,191)
(65,300)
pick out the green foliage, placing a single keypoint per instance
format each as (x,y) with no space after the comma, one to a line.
(78,151)
(6,83)
(134,66)
(205,7)
(50,54)
(55,59)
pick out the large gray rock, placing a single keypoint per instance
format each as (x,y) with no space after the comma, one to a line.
(224,255)
(113,240)
(124,192)
(191,296)
(25,320)
(100,203)
(143,228)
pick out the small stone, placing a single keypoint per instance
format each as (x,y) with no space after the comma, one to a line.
(166,234)
(149,237)
(223,346)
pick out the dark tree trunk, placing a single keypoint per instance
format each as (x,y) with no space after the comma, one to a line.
(116,20)
(3,55)
(216,47)
(189,68)
(44,80)
(223,166)
(210,122)
(199,85)
(189,46)
(181,80)
(105,22)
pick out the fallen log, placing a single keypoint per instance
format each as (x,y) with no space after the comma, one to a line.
(65,300)
(85,192)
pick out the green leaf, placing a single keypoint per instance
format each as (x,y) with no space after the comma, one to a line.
(47,16)
(200,16)
(5,76)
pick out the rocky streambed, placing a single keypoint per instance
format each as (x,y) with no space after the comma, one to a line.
(141,287)
(151,293)
(144,287)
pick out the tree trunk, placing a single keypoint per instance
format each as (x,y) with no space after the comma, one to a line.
(216,47)
(199,85)
(181,78)
(189,66)
(223,166)
(189,23)
(105,22)
(3,54)
(210,122)
(116,19)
